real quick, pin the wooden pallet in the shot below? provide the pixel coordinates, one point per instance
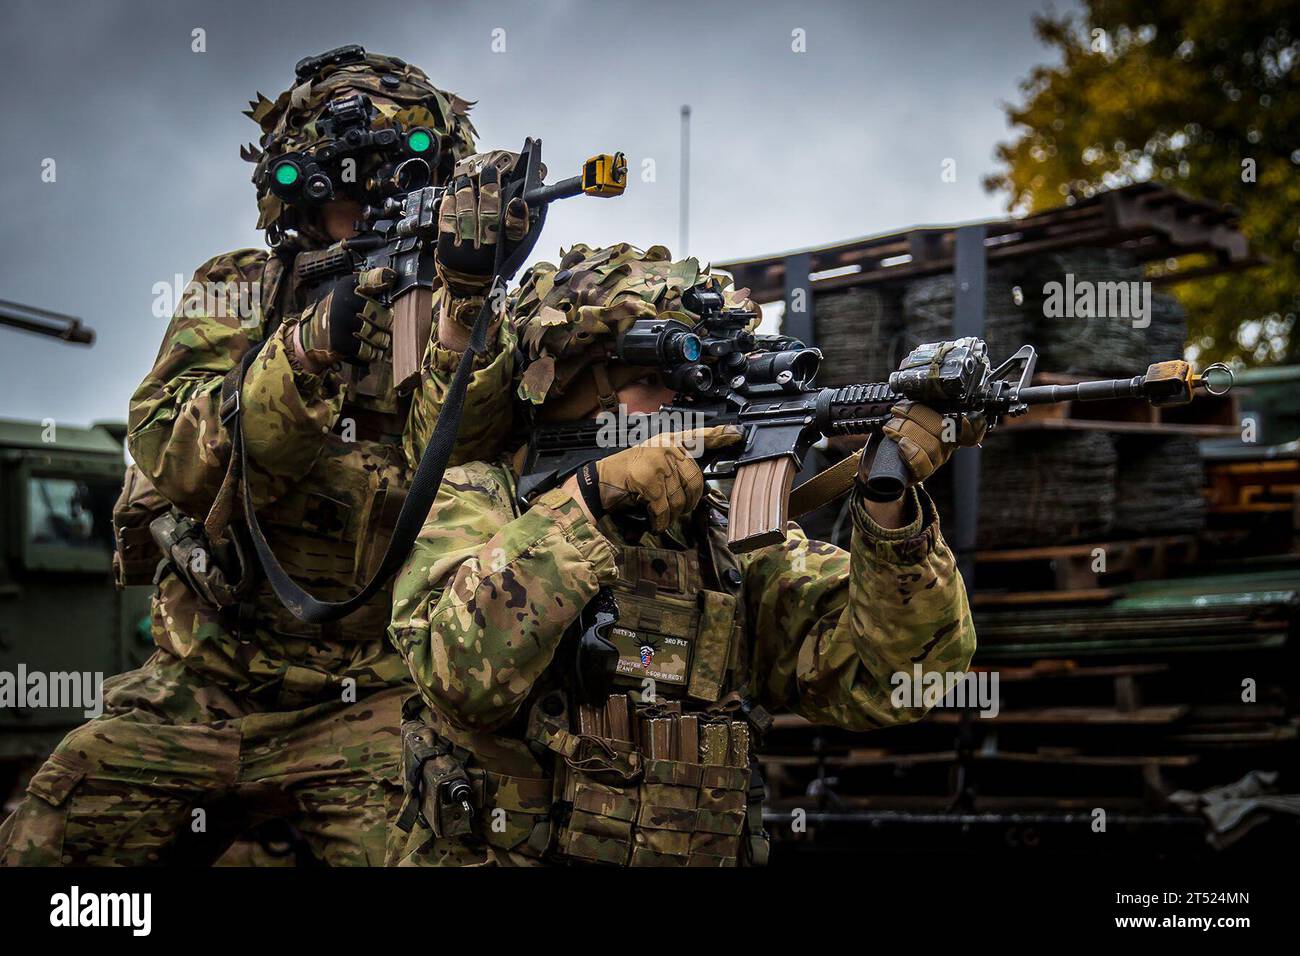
(1246, 487)
(1074, 716)
(1070, 566)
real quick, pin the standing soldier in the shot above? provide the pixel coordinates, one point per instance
(515, 750)
(245, 712)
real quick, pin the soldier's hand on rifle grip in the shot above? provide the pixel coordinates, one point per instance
(469, 226)
(660, 474)
(926, 439)
(342, 326)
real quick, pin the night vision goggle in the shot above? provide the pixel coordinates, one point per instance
(407, 156)
(719, 353)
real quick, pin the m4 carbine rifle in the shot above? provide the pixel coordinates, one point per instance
(400, 233)
(726, 375)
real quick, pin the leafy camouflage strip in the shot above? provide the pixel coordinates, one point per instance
(561, 313)
(123, 789)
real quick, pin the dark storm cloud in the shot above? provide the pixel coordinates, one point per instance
(790, 149)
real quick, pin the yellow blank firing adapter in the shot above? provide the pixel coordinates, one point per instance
(1173, 383)
(1168, 383)
(605, 175)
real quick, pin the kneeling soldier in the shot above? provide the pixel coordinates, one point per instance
(593, 688)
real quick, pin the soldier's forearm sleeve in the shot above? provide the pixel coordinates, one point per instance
(484, 598)
(287, 413)
(831, 629)
(175, 430)
(489, 404)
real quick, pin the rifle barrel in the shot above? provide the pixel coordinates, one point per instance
(1082, 391)
(547, 193)
(44, 322)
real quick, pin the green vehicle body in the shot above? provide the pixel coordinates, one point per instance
(59, 609)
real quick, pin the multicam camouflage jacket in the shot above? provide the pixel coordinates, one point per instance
(484, 609)
(327, 471)
(487, 609)
(485, 599)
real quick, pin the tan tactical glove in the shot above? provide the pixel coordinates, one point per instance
(660, 473)
(469, 220)
(926, 439)
(345, 326)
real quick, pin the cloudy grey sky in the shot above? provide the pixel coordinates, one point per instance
(790, 149)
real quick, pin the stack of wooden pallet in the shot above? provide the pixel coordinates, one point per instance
(1176, 685)
(1066, 474)
(1136, 653)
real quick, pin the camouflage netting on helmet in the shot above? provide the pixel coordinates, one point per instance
(401, 93)
(570, 315)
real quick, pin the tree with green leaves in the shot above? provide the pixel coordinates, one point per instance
(1202, 96)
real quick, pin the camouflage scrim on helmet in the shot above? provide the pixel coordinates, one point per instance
(401, 93)
(570, 315)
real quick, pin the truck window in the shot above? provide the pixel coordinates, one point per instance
(70, 512)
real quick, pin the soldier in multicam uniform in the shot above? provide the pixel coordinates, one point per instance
(515, 750)
(245, 712)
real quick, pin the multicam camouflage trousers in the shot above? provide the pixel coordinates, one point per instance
(421, 848)
(177, 768)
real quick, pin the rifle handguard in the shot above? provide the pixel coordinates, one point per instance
(760, 501)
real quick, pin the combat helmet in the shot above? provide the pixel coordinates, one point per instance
(378, 112)
(568, 319)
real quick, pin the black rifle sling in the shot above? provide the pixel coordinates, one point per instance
(428, 474)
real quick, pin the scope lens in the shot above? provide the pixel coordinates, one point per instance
(286, 174)
(691, 347)
(411, 174)
(319, 188)
(419, 140)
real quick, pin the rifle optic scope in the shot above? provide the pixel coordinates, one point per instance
(664, 343)
(793, 369)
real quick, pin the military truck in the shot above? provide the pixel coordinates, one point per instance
(59, 610)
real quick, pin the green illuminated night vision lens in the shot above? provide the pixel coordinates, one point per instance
(419, 141)
(286, 174)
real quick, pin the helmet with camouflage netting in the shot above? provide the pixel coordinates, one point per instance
(569, 318)
(356, 125)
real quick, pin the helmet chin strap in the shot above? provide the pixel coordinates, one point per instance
(606, 393)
